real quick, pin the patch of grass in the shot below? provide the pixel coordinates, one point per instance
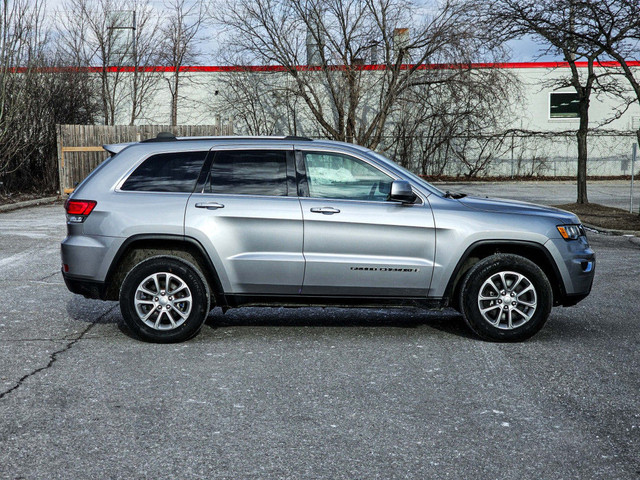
(604, 217)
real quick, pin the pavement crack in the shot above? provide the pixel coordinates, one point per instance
(49, 276)
(54, 356)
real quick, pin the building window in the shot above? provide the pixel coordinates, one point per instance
(564, 105)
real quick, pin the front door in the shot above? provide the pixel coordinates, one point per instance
(356, 242)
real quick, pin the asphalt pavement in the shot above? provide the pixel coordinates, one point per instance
(311, 393)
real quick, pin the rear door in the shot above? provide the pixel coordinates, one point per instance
(356, 242)
(247, 216)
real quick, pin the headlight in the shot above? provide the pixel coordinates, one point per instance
(571, 232)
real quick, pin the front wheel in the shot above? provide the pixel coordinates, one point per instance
(164, 299)
(506, 298)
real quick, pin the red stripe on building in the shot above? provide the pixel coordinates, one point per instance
(279, 68)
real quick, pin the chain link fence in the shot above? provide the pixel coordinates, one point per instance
(514, 155)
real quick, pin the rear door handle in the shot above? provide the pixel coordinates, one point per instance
(325, 210)
(210, 205)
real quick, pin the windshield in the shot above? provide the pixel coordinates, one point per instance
(422, 182)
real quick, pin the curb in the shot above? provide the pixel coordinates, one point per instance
(28, 203)
(608, 231)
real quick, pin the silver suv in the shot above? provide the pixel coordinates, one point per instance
(172, 227)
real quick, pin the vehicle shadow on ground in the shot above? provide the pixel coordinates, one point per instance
(92, 311)
(448, 321)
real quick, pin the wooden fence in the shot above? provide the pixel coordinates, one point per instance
(80, 146)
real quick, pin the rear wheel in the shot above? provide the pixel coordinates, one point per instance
(164, 299)
(506, 298)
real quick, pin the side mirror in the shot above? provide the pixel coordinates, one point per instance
(401, 192)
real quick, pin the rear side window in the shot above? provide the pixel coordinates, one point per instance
(167, 172)
(249, 172)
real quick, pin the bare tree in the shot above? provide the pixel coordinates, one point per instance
(22, 40)
(145, 56)
(115, 36)
(613, 26)
(465, 118)
(555, 24)
(182, 34)
(90, 31)
(36, 92)
(322, 47)
(257, 100)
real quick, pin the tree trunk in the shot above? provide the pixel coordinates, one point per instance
(582, 151)
(174, 110)
(174, 99)
(134, 96)
(105, 104)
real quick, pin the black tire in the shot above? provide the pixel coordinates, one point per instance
(515, 314)
(168, 319)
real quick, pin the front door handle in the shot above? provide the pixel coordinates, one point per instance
(325, 210)
(210, 205)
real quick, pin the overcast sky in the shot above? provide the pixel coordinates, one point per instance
(524, 50)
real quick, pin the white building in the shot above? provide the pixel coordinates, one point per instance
(540, 106)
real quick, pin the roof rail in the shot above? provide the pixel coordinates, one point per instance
(295, 138)
(161, 137)
(170, 137)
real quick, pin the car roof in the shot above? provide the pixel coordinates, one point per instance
(168, 138)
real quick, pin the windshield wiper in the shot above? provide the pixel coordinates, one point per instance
(454, 195)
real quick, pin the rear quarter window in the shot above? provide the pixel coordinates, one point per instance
(167, 172)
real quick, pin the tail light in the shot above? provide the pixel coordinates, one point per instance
(78, 210)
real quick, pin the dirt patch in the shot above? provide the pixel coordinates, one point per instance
(604, 217)
(8, 199)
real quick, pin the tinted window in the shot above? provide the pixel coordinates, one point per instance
(564, 105)
(167, 172)
(331, 175)
(249, 172)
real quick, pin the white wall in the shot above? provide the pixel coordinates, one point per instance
(198, 103)
(537, 83)
(609, 154)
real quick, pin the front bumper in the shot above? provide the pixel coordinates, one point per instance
(576, 262)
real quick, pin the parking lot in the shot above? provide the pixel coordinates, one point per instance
(311, 393)
(612, 193)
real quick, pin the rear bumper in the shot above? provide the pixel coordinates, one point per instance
(87, 288)
(89, 256)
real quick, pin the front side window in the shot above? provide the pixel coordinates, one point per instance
(333, 175)
(167, 172)
(249, 172)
